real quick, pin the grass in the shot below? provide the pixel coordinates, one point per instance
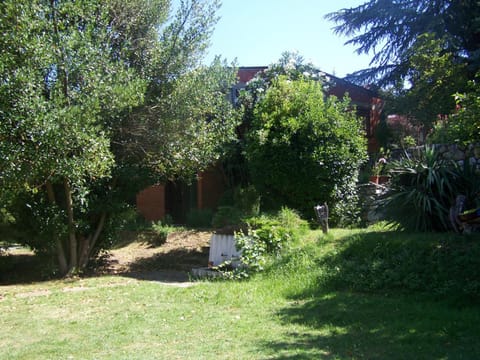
(296, 309)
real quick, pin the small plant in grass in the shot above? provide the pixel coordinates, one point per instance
(267, 236)
(254, 250)
(161, 232)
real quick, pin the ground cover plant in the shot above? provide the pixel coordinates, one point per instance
(307, 304)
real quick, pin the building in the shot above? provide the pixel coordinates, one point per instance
(177, 199)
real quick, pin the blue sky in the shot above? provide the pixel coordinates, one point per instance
(256, 32)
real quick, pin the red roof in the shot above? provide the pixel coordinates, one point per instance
(247, 73)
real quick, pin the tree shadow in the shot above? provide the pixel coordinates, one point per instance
(358, 326)
(17, 269)
(173, 266)
(343, 315)
(443, 266)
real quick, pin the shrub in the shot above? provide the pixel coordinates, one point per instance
(247, 200)
(421, 192)
(226, 216)
(160, 231)
(303, 149)
(199, 218)
(464, 125)
(268, 236)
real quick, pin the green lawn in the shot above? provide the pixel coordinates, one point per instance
(292, 311)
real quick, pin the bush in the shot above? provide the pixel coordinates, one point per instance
(199, 218)
(226, 216)
(303, 149)
(268, 236)
(160, 231)
(464, 125)
(247, 200)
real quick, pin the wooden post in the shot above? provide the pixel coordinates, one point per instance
(322, 216)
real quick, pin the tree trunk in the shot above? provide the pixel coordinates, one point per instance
(72, 237)
(62, 259)
(89, 243)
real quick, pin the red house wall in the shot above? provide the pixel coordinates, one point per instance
(210, 188)
(151, 202)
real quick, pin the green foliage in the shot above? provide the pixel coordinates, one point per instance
(185, 130)
(464, 125)
(434, 76)
(247, 200)
(389, 29)
(445, 266)
(237, 204)
(161, 231)
(303, 149)
(291, 220)
(423, 53)
(423, 189)
(266, 237)
(226, 216)
(97, 98)
(199, 218)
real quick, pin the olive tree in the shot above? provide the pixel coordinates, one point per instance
(92, 106)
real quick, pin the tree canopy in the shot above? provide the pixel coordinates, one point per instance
(97, 99)
(423, 53)
(388, 29)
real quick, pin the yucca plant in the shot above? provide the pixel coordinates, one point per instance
(422, 190)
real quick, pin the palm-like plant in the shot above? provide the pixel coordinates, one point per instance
(421, 192)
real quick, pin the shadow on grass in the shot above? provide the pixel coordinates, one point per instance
(440, 265)
(358, 326)
(170, 267)
(17, 269)
(384, 295)
(175, 259)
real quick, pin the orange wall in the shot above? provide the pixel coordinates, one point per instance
(151, 202)
(210, 188)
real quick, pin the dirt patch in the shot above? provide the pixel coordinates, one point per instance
(170, 262)
(181, 251)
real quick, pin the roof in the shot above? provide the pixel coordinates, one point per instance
(342, 86)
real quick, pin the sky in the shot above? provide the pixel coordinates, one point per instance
(257, 32)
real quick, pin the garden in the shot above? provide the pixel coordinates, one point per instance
(100, 100)
(351, 294)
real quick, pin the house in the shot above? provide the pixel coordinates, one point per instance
(177, 199)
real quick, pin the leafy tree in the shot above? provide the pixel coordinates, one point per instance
(433, 77)
(464, 125)
(303, 148)
(425, 50)
(391, 28)
(82, 86)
